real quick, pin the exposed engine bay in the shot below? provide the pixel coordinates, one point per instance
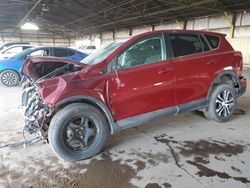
(45, 70)
(37, 113)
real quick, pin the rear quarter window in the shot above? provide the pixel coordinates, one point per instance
(213, 41)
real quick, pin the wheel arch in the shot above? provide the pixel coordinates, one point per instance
(92, 101)
(225, 77)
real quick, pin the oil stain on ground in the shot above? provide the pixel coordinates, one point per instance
(201, 150)
(204, 148)
(156, 185)
(205, 171)
(103, 173)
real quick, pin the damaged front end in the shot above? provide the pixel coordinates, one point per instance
(35, 111)
(38, 113)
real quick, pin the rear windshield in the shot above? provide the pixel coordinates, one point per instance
(213, 41)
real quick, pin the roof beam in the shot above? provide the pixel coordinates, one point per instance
(99, 12)
(195, 6)
(27, 15)
(154, 13)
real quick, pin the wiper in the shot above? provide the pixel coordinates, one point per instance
(51, 73)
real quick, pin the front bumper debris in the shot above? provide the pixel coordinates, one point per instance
(35, 111)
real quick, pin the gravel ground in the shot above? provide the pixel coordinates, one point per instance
(183, 151)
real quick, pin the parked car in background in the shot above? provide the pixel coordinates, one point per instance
(6, 45)
(13, 50)
(129, 83)
(10, 68)
(87, 49)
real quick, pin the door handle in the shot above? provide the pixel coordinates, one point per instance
(165, 71)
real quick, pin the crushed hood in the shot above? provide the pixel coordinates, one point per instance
(36, 68)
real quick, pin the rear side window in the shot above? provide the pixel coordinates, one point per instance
(185, 44)
(213, 41)
(63, 52)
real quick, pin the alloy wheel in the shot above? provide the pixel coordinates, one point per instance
(80, 133)
(224, 103)
(9, 78)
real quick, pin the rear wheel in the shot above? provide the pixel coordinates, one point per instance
(9, 78)
(78, 131)
(222, 103)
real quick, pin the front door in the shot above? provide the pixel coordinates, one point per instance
(144, 80)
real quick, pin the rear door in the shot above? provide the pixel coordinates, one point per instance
(192, 60)
(144, 81)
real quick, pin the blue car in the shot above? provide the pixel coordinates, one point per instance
(10, 68)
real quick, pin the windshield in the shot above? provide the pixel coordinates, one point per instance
(101, 54)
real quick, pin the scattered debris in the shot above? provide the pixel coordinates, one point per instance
(23, 143)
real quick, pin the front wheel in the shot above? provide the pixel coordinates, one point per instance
(222, 104)
(78, 131)
(9, 78)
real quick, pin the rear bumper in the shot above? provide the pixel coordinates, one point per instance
(243, 85)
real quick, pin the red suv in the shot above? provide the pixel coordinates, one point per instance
(128, 83)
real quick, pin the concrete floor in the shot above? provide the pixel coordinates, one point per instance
(184, 151)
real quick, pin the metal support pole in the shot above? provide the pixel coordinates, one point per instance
(113, 34)
(53, 38)
(231, 23)
(153, 27)
(185, 24)
(130, 32)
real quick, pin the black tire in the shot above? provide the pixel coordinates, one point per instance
(222, 103)
(64, 132)
(9, 78)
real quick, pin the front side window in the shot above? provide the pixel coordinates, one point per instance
(144, 51)
(185, 44)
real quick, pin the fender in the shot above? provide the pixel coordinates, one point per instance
(224, 72)
(94, 101)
